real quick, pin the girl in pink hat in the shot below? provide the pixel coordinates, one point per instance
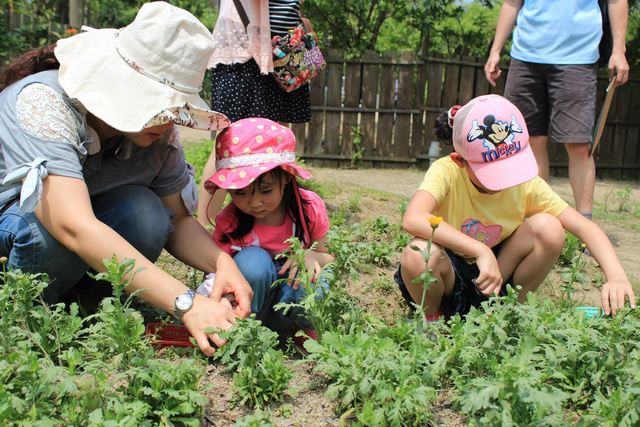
(502, 223)
(255, 161)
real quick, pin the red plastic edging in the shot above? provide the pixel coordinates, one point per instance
(167, 335)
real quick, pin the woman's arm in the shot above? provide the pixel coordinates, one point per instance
(617, 286)
(209, 205)
(191, 244)
(65, 211)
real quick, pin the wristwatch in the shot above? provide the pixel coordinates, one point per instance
(183, 303)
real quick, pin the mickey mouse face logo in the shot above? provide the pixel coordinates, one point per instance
(494, 131)
(499, 133)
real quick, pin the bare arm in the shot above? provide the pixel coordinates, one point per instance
(191, 244)
(617, 286)
(208, 205)
(506, 21)
(618, 16)
(65, 211)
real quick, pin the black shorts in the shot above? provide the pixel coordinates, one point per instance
(465, 292)
(555, 100)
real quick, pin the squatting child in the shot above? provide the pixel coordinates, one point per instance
(255, 162)
(502, 223)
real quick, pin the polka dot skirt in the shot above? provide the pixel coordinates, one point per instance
(240, 91)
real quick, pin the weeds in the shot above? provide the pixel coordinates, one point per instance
(260, 376)
(59, 369)
(358, 148)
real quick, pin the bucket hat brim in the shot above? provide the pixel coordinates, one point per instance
(243, 176)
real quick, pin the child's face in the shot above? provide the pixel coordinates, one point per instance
(462, 163)
(262, 198)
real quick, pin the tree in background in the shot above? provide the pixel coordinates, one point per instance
(445, 27)
(353, 25)
(25, 24)
(28, 24)
(118, 13)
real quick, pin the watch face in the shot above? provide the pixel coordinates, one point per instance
(184, 301)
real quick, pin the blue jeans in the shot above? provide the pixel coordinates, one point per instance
(134, 212)
(261, 271)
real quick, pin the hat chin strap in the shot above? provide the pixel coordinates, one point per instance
(305, 231)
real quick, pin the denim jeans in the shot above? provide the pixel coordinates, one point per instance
(134, 212)
(261, 271)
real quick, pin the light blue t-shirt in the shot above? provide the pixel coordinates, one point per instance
(558, 32)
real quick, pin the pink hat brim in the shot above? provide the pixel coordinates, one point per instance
(243, 176)
(508, 172)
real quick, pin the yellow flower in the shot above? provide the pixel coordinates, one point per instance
(435, 221)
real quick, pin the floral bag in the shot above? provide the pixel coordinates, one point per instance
(296, 58)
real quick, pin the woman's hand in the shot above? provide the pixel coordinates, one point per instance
(489, 281)
(208, 313)
(231, 288)
(613, 296)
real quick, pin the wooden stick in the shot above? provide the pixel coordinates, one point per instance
(602, 118)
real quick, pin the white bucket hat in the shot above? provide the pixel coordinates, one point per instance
(147, 73)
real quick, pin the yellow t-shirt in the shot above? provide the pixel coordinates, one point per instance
(489, 218)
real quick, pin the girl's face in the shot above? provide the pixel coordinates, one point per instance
(262, 199)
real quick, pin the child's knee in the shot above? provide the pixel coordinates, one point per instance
(413, 263)
(548, 230)
(256, 266)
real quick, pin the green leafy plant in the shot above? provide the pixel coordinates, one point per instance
(358, 148)
(59, 369)
(260, 376)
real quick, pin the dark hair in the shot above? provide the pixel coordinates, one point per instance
(28, 63)
(442, 130)
(246, 221)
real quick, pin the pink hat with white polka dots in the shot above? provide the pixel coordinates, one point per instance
(250, 147)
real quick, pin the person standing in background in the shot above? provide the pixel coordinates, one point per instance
(241, 85)
(552, 77)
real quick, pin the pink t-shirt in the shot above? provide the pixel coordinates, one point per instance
(272, 238)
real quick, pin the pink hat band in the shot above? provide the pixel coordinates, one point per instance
(253, 159)
(249, 148)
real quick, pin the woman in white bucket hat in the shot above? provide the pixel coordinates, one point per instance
(90, 164)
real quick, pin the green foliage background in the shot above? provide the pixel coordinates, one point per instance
(444, 27)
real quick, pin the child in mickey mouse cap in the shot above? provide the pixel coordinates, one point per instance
(501, 222)
(255, 163)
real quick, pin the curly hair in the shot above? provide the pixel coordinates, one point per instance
(442, 130)
(28, 63)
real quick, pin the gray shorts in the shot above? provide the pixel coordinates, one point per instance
(555, 100)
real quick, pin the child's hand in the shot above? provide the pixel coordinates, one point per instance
(613, 295)
(288, 266)
(312, 263)
(489, 281)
